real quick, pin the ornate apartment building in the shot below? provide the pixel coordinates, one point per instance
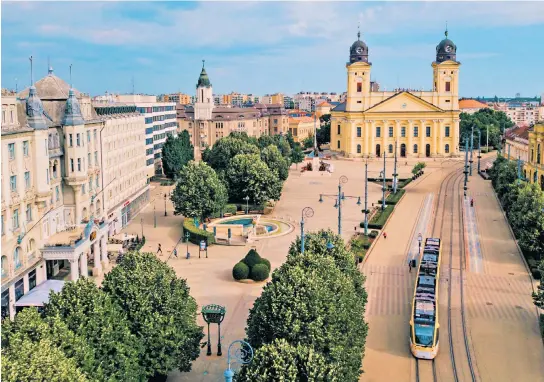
(534, 168)
(54, 194)
(421, 123)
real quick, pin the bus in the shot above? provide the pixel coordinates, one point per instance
(424, 326)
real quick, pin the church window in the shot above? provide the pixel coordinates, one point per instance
(390, 149)
(447, 131)
(447, 148)
(378, 131)
(359, 132)
(415, 149)
(428, 131)
(358, 149)
(403, 131)
(390, 131)
(416, 132)
(338, 130)
(338, 144)
(359, 87)
(448, 86)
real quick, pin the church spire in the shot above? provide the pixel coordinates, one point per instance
(72, 111)
(34, 106)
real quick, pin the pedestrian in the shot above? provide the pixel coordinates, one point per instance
(160, 249)
(472, 202)
(175, 253)
(409, 266)
(385, 235)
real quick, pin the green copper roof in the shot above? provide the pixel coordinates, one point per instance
(203, 80)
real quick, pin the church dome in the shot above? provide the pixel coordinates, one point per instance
(358, 51)
(446, 50)
(203, 80)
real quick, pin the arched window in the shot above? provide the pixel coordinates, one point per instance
(358, 149)
(17, 257)
(447, 148)
(390, 149)
(4, 266)
(415, 149)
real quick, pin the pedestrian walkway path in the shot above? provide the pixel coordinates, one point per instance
(475, 257)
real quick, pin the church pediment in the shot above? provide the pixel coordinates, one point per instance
(403, 102)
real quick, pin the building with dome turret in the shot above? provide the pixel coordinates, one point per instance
(370, 123)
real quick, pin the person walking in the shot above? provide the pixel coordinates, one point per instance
(175, 253)
(160, 249)
(385, 235)
(409, 265)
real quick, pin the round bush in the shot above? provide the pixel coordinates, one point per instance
(267, 263)
(536, 273)
(373, 234)
(252, 258)
(240, 271)
(260, 272)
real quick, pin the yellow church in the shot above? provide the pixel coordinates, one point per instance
(420, 123)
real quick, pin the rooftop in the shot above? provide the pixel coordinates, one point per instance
(471, 104)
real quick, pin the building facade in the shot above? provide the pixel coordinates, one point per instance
(301, 127)
(419, 123)
(534, 168)
(517, 143)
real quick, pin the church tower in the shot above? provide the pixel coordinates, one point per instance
(204, 97)
(358, 67)
(446, 74)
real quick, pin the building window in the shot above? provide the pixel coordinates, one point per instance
(11, 149)
(95, 158)
(358, 149)
(47, 175)
(57, 192)
(447, 148)
(91, 183)
(538, 154)
(19, 287)
(403, 131)
(390, 149)
(390, 131)
(416, 132)
(32, 280)
(72, 165)
(338, 144)
(428, 131)
(27, 180)
(359, 87)
(88, 136)
(78, 141)
(83, 190)
(415, 149)
(3, 232)
(358, 132)
(94, 135)
(71, 140)
(96, 182)
(25, 148)
(28, 213)
(89, 159)
(15, 219)
(448, 86)
(13, 182)
(78, 164)
(338, 132)
(447, 131)
(378, 131)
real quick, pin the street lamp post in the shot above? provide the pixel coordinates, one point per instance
(154, 216)
(142, 225)
(471, 147)
(187, 235)
(519, 168)
(165, 213)
(339, 198)
(306, 212)
(466, 168)
(419, 239)
(383, 187)
(487, 140)
(479, 148)
(247, 204)
(395, 171)
(243, 355)
(366, 198)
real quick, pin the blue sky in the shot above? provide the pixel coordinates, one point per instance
(266, 47)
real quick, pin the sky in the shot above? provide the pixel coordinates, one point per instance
(268, 47)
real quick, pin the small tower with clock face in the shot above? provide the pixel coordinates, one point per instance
(358, 69)
(446, 74)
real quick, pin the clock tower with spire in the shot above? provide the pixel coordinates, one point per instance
(358, 68)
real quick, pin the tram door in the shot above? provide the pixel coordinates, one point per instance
(427, 150)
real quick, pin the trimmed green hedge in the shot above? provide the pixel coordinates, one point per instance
(405, 182)
(379, 220)
(393, 199)
(373, 234)
(196, 234)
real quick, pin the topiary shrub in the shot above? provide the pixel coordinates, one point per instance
(259, 272)
(267, 263)
(536, 273)
(240, 271)
(373, 234)
(252, 258)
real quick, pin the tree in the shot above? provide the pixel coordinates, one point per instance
(527, 219)
(297, 155)
(176, 153)
(324, 131)
(90, 313)
(265, 141)
(308, 142)
(200, 192)
(160, 310)
(319, 308)
(248, 175)
(271, 155)
(227, 148)
(291, 140)
(281, 361)
(503, 173)
(38, 349)
(538, 296)
(497, 121)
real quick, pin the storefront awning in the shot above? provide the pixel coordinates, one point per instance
(40, 294)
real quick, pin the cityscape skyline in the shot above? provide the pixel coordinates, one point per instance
(294, 43)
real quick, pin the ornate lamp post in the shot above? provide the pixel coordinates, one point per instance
(214, 314)
(240, 352)
(306, 212)
(165, 213)
(419, 239)
(339, 198)
(479, 148)
(247, 204)
(187, 235)
(366, 199)
(466, 168)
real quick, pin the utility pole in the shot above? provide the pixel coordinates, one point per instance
(383, 188)
(339, 208)
(466, 168)
(471, 147)
(487, 140)
(479, 149)
(395, 171)
(366, 198)
(519, 168)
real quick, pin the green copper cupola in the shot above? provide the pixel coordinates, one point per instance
(203, 79)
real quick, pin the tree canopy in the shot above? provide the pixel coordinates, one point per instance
(297, 155)
(248, 175)
(176, 153)
(497, 121)
(227, 148)
(200, 192)
(324, 131)
(160, 310)
(271, 155)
